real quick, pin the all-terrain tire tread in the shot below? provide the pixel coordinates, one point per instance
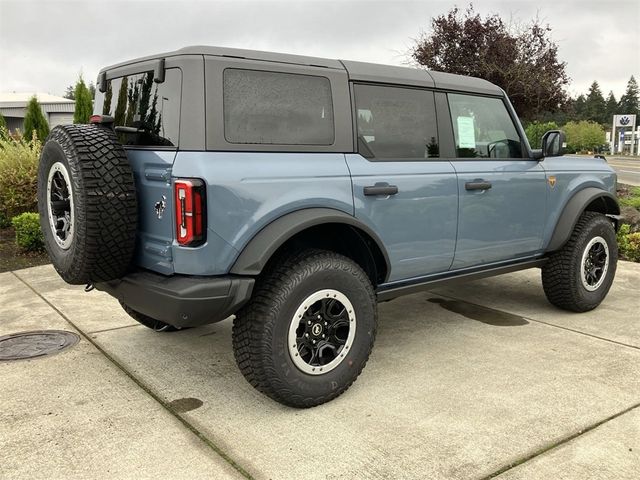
(253, 325)
(106, 205)
(560, 272)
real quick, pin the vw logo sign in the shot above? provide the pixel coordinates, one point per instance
(625, 120)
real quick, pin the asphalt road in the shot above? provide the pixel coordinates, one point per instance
(628, 169)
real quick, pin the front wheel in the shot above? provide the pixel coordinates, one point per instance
(579, 276)
(308, 330)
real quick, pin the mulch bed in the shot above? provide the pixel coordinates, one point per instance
(11, 258)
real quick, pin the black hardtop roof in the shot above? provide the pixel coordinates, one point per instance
(360, 71)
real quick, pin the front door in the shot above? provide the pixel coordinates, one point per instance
(503, 194)
(402, 188)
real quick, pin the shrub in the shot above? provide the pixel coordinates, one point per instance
(18, 176)
(629, 243)
(536, 130)
(584, 135)
(28, 234)
(633, 248)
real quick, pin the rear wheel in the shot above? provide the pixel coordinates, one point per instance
(308, 330)
(152, 323)
(579, 276)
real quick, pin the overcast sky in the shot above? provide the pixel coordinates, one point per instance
(45, 44)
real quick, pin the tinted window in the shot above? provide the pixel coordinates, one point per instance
(396, 123)
(146, 113)
(277, 108)
(483, 128)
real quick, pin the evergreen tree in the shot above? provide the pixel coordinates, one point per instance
(34, 120)
(630, 101)
(92, 90)
(594, 106)
(106, 105)
(3, 122)
(84, 104)
(579, 107)
(121, 105)
(70, 93)
(610, 107)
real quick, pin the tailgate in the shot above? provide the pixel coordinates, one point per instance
(152, 172)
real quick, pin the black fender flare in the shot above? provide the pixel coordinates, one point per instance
(264, 244)
(574, 208)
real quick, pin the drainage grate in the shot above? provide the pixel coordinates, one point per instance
(38, 343)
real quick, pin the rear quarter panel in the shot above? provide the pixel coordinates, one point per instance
(248, 190)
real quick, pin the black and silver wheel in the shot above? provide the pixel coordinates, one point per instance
(308, 330)
(152, 323)
(321, 330)
(579, 276)
(60, 205)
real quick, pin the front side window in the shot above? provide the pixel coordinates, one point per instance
(396, 123)
(483, 128)
(277, 108)
(146, 113)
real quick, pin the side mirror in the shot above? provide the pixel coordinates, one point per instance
(553, 143)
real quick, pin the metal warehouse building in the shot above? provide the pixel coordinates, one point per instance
(57, 110)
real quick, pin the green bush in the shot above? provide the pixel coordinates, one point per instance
(629, 243)
(28, 234)
(18, 176)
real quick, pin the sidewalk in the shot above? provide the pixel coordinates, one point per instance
(453, 390)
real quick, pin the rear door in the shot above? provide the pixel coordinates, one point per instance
(401, 187)
(503, 193)
(147, 123)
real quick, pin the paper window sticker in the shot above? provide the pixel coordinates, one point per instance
(466, 133)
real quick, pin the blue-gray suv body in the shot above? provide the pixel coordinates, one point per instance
(295, 192)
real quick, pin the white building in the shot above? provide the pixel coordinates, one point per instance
(57, 110)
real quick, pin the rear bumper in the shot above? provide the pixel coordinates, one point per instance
(181, 300)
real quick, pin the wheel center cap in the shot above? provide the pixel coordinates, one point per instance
(316, 329)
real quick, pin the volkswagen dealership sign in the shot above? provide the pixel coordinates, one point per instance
(624, 120)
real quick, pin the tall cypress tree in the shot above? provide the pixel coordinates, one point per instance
(34, 120)
(106, 106)
(121, 105)
(84, 104)
(630, 101)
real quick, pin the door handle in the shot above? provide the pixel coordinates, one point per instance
(380, 189)
(477, 185)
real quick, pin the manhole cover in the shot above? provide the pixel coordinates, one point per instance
(35, 344)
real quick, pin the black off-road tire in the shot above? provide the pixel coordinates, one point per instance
(104, 208)
(260, 329)
(153, 324)
(562, 274)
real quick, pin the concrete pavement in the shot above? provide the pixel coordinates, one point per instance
(474, 381)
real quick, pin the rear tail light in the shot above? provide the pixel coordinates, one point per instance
(190, 203)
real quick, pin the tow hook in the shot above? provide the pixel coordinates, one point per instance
(89, 287)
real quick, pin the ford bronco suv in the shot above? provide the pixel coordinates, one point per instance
(296, 192)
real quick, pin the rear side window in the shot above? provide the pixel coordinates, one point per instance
(277, 108)
(146, 113)
(483, 128)
(396, 123)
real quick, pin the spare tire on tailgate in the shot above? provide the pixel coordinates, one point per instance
(87, 203)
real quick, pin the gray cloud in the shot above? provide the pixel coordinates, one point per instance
(45, 44)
